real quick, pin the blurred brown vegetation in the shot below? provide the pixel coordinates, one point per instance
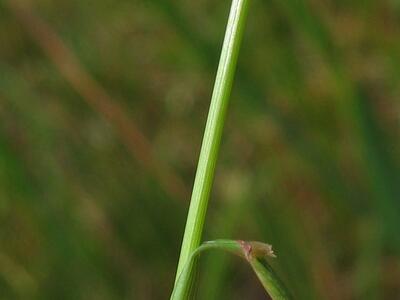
(103, 104)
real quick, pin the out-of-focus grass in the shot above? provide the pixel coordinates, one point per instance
(309, 161)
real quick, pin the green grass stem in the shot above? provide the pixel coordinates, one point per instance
(213, 132)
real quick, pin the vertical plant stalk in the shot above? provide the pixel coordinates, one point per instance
(212, 135)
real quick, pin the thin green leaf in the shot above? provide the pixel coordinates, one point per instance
(253, 252)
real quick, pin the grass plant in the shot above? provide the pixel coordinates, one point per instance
(206, 169)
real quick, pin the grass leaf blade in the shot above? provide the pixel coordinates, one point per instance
(252, 252)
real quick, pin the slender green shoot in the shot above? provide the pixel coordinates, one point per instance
(212, 136)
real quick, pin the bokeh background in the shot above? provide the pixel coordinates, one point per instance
(103, 105)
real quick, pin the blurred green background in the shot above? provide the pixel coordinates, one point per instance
(103, 105)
